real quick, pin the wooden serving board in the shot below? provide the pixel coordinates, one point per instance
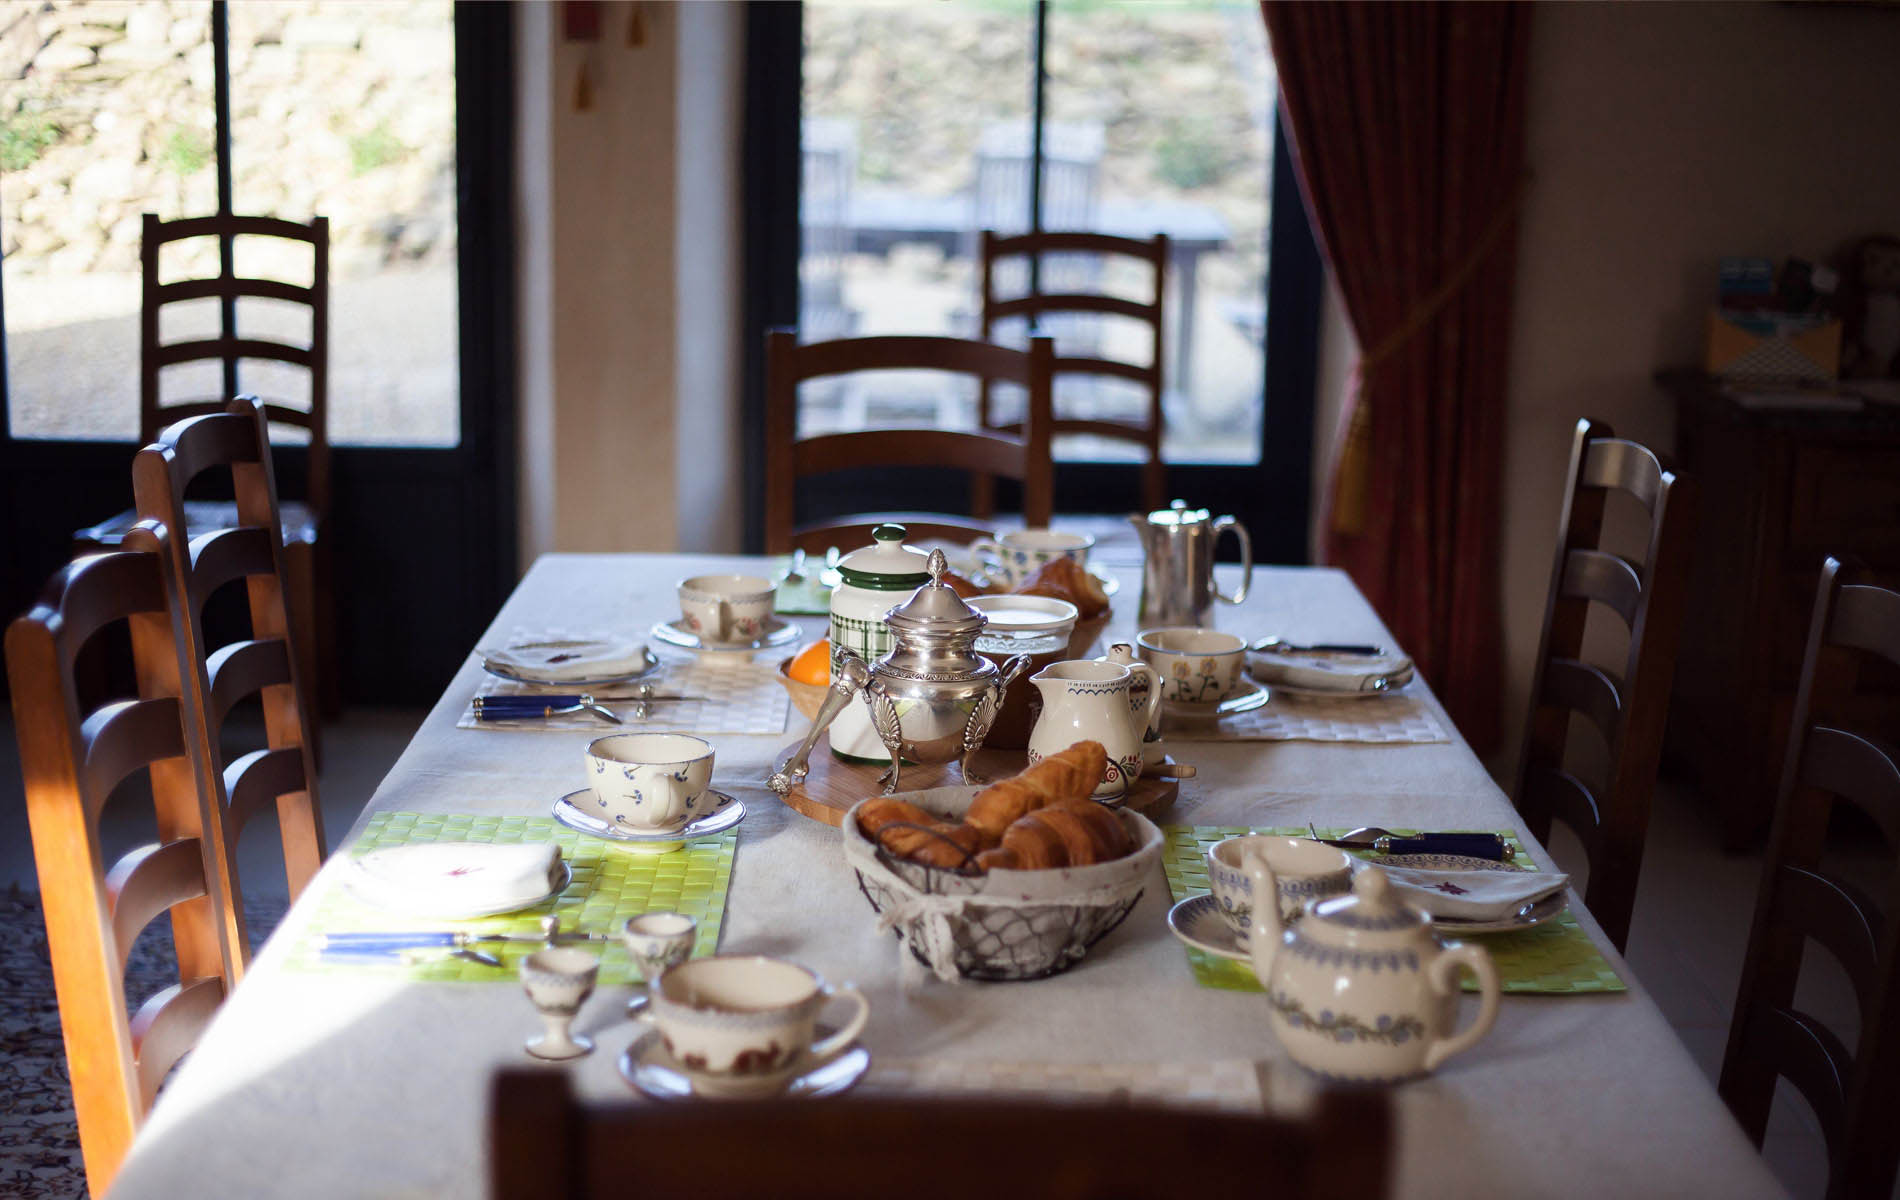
(834, 785)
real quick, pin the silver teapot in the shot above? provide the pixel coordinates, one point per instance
(932, 697)
(1177, 573)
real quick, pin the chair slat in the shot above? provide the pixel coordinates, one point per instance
(1859, 769)
(1590, 690)
(900, 448)
(218, 287)
(1626, 466)
(1833, 913)
(1035, 306)
(259, 778)
(243, 669)
(222, 555)
(1607, 579)
(232, 347)
(816, 360)
(149, 880)
(1808, 1055)
(123, 736)
(1867, 618)
(169, 1024)
(1562, 795)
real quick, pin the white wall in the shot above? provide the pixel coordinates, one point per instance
(1661, 137)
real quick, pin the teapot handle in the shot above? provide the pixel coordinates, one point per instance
(1246, 558)
(1443, 974)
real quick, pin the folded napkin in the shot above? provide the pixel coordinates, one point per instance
(568, 659)
(1472, 895)
(447, 878)
(1329, 671)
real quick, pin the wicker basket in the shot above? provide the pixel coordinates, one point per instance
(1003, 924)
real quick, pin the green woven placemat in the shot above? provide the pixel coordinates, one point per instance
(1555, 957)
(610, 884)
(806, 598)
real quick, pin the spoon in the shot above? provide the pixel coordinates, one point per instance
(1271, 645)
(794, 573)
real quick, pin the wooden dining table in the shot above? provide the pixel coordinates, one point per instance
(341, 1083)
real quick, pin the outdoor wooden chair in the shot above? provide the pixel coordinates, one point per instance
(1627, 704)
(75, 752)
(548, 1144)
(789, 458)
(233, 444)
(1037, 306)
(309, 560)
(1854, 1093)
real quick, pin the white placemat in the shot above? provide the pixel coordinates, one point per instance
(1285, 718)
(742, 696)
(1229, 1084)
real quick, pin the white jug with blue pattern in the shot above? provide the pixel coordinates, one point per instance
(1360, 988)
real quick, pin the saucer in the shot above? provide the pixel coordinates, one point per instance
(1197, 921)
(778, 632)
(726, 813)
(515, 662)
(651, 1070)
(1251, 696)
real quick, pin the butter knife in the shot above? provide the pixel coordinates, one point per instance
(1468, 845)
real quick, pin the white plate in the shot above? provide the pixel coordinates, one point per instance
(653, 1072)
(390, 899)
(778, 632)
(1197, 921)
(580, 650)
(1252, 696)
(1535, 914)
(568, 810)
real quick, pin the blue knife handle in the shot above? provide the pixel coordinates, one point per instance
(371, 942)
(553, 700)
(1471, 845)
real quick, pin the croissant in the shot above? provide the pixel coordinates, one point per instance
(1034, 845)
(874, 815)
(1090, 832)
(1067, 579)
(938, 844)
(1067, 775)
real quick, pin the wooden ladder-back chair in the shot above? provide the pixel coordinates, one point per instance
(74, 752)
(309, 565)
(548, 1144)
(1036, 306)
(1627, 706)
(1855, 1094)
(789, 458)
(264, 664)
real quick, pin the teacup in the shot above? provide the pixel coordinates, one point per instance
(741, 1018)
(1305, 870)
(1194, 665)
(648, 781)
(1011, 558)
(726, 609)
(658, 940)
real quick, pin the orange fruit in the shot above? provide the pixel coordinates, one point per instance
(813, 664)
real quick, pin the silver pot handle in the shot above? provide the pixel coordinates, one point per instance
(853, 675)
(1246, 558)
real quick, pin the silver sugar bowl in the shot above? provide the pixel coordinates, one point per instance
(932, 697)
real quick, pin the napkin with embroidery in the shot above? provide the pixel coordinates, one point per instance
(558, 660)
(1329, 671)
(446, 878)
(1468, 895)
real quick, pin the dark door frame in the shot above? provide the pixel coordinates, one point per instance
(1272, 497)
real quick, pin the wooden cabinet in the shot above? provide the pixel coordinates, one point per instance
(1781, 490)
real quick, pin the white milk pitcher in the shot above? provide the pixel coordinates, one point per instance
(1088, 701)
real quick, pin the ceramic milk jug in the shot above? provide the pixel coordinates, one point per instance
(873, 580)
(1139, 689)
(1088, 701)
(1360, 988)
(1177, 571)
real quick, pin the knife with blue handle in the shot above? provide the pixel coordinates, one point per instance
(1468, 845)
(390, 941)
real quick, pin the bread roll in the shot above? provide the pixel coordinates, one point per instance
(1067, 579)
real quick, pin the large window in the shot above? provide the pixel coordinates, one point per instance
(345, 110)
(919, 129)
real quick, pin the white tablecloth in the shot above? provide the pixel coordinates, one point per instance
(338, 1085)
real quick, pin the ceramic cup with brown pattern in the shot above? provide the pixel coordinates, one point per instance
(734, 1016)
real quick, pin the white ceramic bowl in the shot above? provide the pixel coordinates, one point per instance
(647, 781)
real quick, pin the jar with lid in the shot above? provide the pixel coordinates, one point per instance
(873, 579)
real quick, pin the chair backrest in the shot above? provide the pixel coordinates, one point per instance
(74, 752)
(1856, 1093)
(1626, 705)
(789, 458)
(1035, 305)
(228, 347)
(217, 678)
(548, 1144)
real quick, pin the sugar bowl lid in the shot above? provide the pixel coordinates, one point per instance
(887, 564)
(935, 610)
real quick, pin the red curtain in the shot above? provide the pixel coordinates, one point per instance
(1407, 124)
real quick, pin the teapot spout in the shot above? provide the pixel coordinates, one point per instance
(1263, 941)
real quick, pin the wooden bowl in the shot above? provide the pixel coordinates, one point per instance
(806, 697)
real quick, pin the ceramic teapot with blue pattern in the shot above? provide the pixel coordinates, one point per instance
(1361, 988)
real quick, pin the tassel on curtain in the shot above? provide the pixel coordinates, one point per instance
(1407, 125)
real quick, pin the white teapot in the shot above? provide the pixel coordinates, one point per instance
(1360, 988)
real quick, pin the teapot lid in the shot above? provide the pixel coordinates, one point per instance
(887, 564)
(935, 610)
(1372, 913)
(1177, 514)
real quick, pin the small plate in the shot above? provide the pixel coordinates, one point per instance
(1252, 696)
(596, 647)
(651, 1070)
(1197, 921)
(778, 632)
(390, 900)
(1539, 912)
(725, 814)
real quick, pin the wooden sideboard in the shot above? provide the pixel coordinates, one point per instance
(1781, 490)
